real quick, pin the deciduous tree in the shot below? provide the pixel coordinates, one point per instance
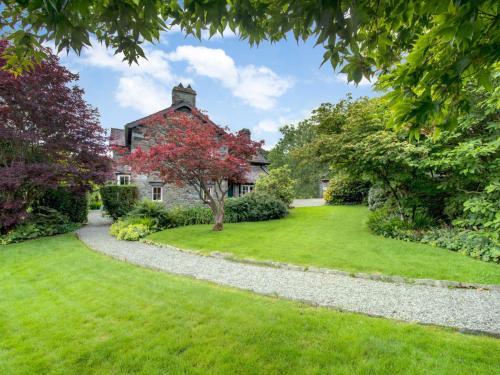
(429, 47)
(49, 136)
(188, 149)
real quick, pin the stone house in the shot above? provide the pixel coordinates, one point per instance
(151, 187)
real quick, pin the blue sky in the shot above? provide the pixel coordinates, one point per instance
(260, 88)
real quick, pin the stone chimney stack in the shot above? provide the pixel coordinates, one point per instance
(184, 94)
(246, 132)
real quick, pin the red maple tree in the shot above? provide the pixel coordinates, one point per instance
(49, 136)
(189, 149)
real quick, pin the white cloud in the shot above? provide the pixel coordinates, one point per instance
(268, 126)
(142, 93)
(341, 77)
(144, 86)
(273, 125)
(259, 87)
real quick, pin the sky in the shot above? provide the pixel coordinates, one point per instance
(239, 86)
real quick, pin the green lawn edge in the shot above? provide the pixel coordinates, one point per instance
(67, 309)
(333, 237)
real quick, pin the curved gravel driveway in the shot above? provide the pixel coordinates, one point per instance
(472, 310)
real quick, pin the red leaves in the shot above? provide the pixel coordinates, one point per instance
(49, 136)
(188, 148)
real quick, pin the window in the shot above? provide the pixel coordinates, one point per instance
(245, 189)
(156, 193)
(123, 179)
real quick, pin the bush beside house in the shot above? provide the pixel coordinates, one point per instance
(277, 183)
(70, 203)
(118, 200)
(147, 216)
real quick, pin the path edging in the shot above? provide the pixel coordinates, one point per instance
(331, 271)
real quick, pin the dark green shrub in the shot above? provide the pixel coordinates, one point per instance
(377, 197)
(181, 216)
(385, 223)
(477, 244)
(118, 200)
(254, 207)
(42, 221)
(156, 211)
(70, 203)
(343, 189)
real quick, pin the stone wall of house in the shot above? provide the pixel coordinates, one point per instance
(172, 195)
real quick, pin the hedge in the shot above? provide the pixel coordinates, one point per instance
(69, 203)
(118, 200)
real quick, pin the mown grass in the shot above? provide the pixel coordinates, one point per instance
(66, 309)
(334, 237)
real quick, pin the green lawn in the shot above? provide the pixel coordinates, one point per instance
(334, 237)
(66, 309)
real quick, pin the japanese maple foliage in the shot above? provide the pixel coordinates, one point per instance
(49, 136)
(189, 149)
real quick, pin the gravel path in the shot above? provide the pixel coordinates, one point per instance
(466, 309)
(311, 202)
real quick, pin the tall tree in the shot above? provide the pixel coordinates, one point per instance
(49, 136)
(190, 150)
(429, 47)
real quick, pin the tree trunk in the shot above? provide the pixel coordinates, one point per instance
(219, 217)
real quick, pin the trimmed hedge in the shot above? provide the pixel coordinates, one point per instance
(72, 204)
(118, 200)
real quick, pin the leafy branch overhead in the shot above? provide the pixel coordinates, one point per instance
(424, 51)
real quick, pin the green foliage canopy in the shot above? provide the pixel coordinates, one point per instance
(277, 183)
(426, 49)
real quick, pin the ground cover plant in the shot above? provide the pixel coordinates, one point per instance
(335, 237)
(67, 309)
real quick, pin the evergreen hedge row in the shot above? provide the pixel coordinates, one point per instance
(118, 200)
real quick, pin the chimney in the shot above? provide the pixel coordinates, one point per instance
(184, 94)
(246, 132)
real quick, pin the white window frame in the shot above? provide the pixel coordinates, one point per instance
(118, 179)
(153, 193)
(247, 187)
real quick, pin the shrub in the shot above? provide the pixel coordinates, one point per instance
(133, 232)
(70, 203)
(254, 207)
(118, 200)
(132, 229)
(385, 223)
(43, 221)
(377, 197)
(148, 216)
(477, 244)
(343, 189)
(155, 211)
(181, 216)
(277, 183)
